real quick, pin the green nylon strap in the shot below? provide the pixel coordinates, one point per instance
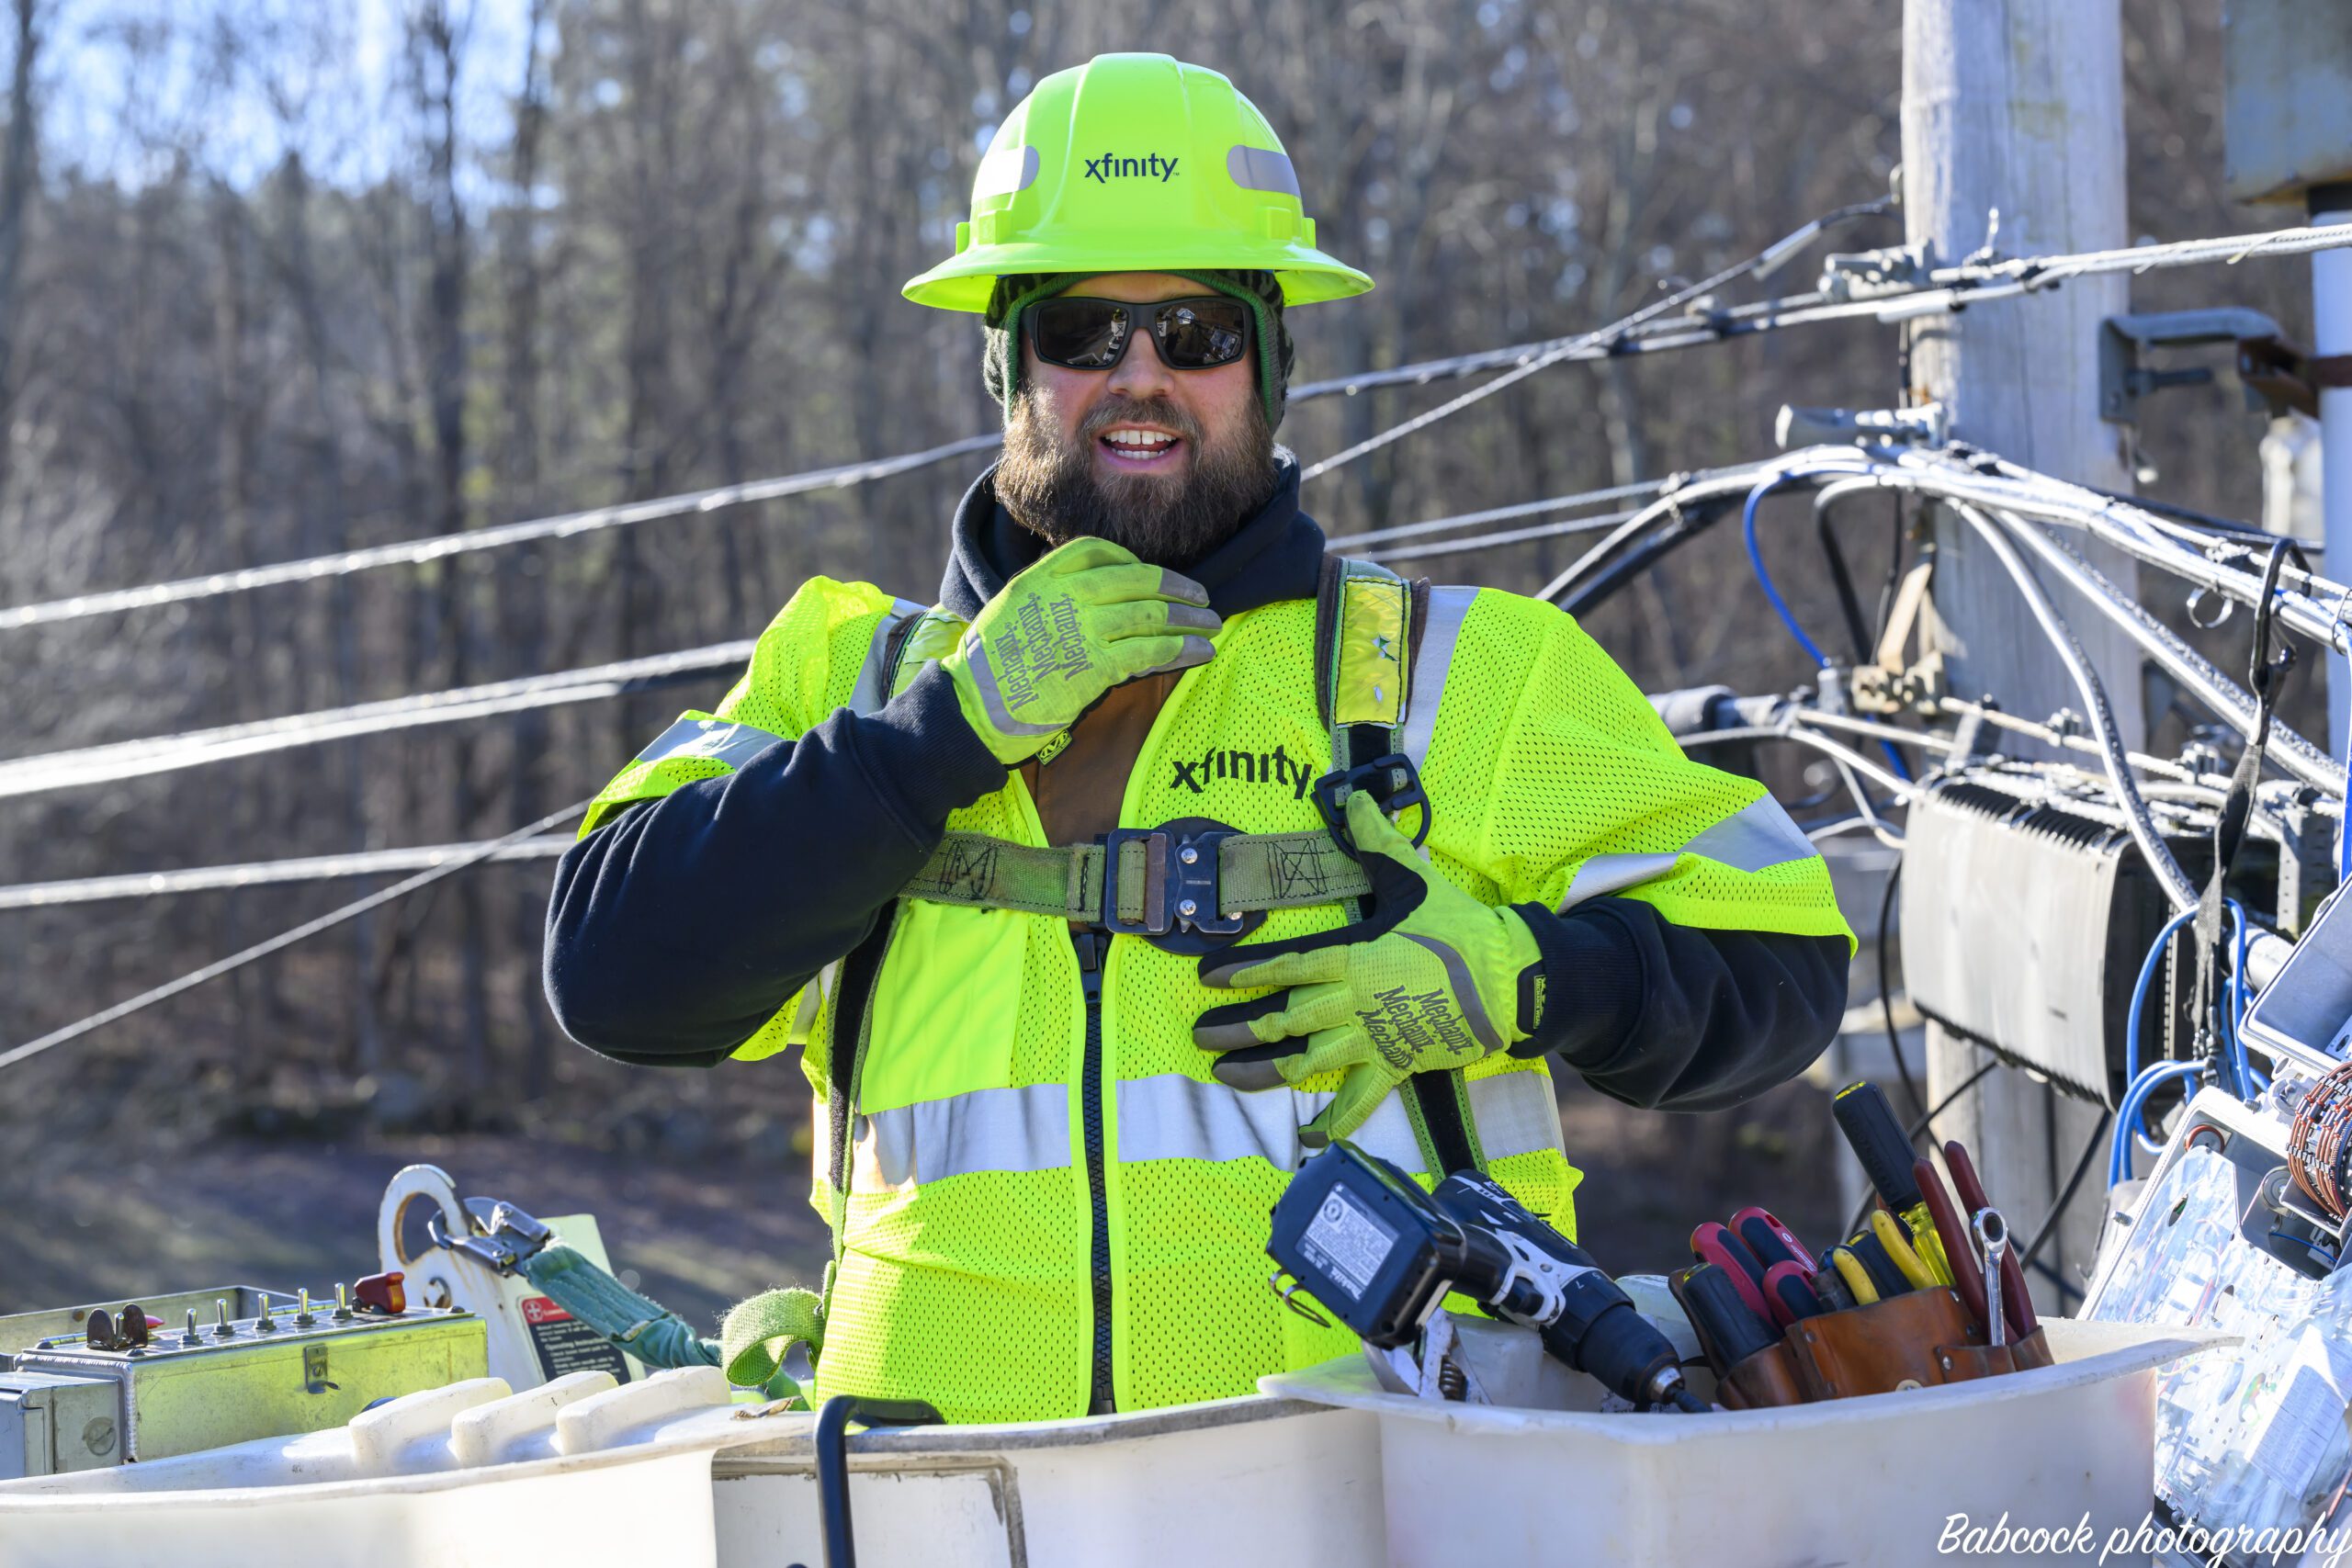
(1255, 871)
(759, 1335)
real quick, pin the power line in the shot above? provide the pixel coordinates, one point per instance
(1505, 536)
(136, 759)
(1595, 343)
(1944, 289)
(416, 552)
(307, 929)
(264, 874)
(1350, 542)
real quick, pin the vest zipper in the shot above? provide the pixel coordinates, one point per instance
(1091, 944)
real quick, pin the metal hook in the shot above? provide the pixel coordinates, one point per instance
(1289, 1299)
(2228, 604)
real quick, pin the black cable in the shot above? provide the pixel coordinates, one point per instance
(1840, 578)
(1886, 1000)
(1887, 589)
(2067, 1194)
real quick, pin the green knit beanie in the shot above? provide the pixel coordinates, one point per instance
(1000, 330)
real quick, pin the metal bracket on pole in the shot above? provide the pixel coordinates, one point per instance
(1889, 684)
(1926, 425)
(2123, 381)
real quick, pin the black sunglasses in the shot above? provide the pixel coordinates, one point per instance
(1082, 334)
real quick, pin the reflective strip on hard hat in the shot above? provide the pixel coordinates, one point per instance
(987, 1129)
(715, 739)
(1004, 172)
(1252, 168)
(1757, 836)
(1440, 628)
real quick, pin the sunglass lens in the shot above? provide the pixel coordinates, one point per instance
(1084, 335)
(1198, 333)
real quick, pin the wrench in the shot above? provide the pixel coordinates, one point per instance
(1993, 1235)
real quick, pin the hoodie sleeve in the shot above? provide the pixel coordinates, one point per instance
(712, 884)
(1679, 1018)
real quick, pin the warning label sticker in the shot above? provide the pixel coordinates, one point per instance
(1348, 1241)
(567, 1345)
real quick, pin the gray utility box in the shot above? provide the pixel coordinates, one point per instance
(51, 1425)
(2286, 115)
(2024, 923)
(266, 1376)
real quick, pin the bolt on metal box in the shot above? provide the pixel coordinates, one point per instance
(224, 1379)
(52, 1426)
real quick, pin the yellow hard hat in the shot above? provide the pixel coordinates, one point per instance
(1135, 162)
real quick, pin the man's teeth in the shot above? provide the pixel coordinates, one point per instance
(1140, 440)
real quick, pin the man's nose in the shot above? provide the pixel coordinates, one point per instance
(1139, 373)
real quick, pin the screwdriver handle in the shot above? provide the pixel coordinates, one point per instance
(1953, 1232)
(1736, 1332)
(1712, 1243)
(1885, 1276)
(2014, 1305)
(1768, 1239)
(1789, 1289)
(1879, 1142)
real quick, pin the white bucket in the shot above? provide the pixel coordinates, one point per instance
(1891, 1479)
(1252, 1481)
(664, 1473)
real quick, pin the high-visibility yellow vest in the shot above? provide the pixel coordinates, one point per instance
(1038, 1193)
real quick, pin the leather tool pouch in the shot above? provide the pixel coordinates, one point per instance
(1914, 1340)
(1766, 1379)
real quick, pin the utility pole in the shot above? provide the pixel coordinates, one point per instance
(2018, 106)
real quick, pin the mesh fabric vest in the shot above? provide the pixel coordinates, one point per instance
(995, 1202)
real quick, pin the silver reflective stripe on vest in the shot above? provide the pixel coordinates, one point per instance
(1516, 1115)
(1441, 627)
(869, 695)
(1757, 836)
(1514, 1112)
(1175, 1117)
(715, 739)
(989, 1129)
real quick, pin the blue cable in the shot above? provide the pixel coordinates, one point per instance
(1780, 605)
(2139, 993)
(2135, 1098)
(1764, 578)
(2250, 1082)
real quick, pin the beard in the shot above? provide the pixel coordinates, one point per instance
(1051, 487)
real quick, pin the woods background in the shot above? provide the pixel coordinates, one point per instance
(282, 278)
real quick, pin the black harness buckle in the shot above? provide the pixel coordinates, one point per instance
(1181, 910)
(1392, 781)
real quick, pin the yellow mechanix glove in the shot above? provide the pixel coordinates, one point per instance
(1074, 624)
(1431, 980)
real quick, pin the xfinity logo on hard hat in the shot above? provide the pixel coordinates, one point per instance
(1109, 167)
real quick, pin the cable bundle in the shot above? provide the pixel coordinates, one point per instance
(2318, 1150)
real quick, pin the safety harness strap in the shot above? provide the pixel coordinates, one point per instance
(1365, 627)
(1252, 872)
